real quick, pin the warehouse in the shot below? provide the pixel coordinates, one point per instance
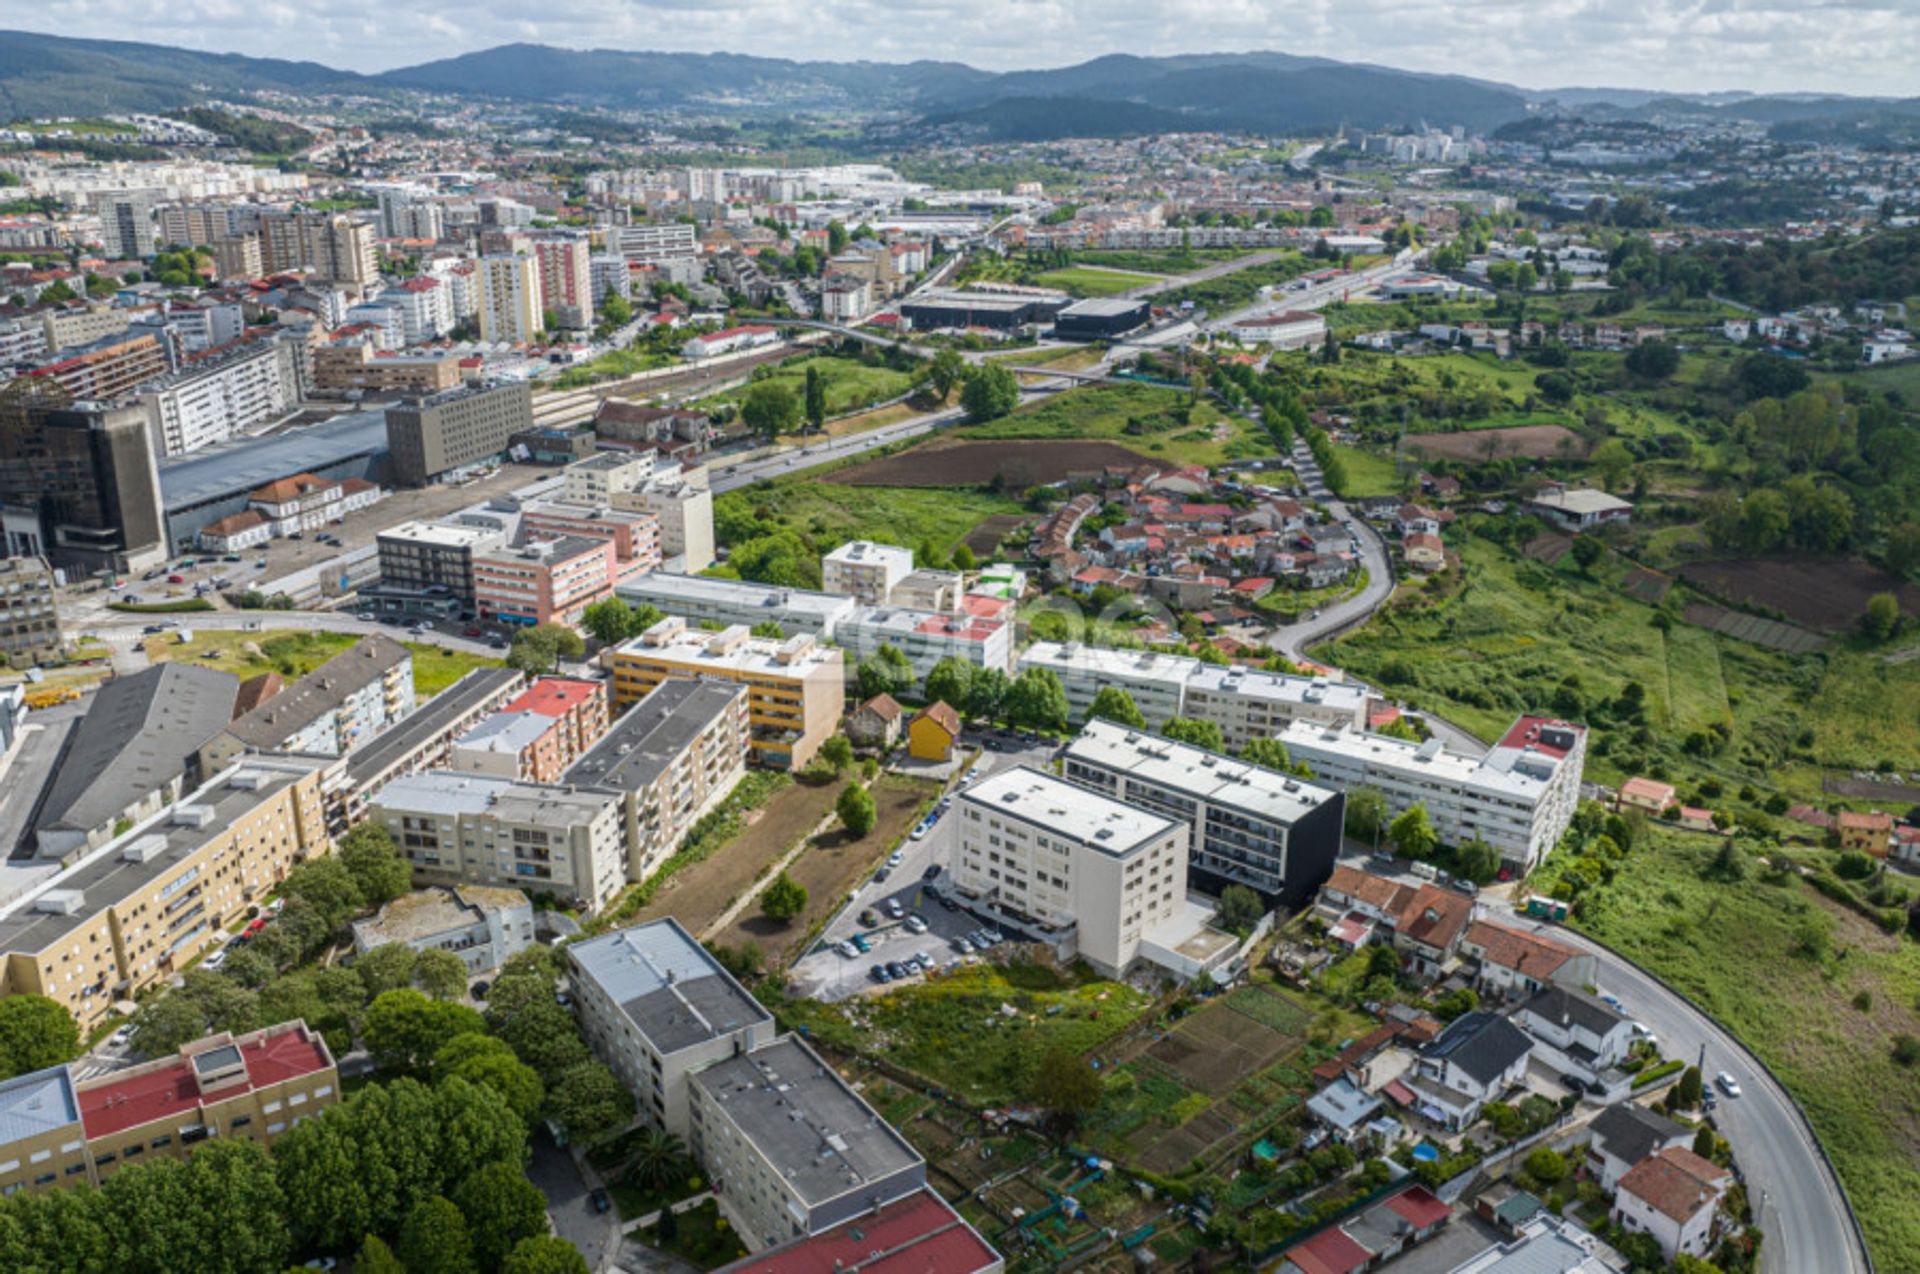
(1101, 318)
(219, 480)
(941, 308)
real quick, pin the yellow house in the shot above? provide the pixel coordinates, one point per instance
(932, 733)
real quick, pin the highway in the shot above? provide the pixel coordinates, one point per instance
(1796, 1196)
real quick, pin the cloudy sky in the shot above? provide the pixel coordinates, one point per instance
(1852, 46)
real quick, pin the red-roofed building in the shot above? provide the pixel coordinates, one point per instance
(1331, 1251)
(1673, 1195)
(919, 1234)
(580, 705)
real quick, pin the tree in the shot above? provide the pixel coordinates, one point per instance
(836, 238)
(1201, 734)
(35, 1033)
(856, 810)
(1412, 833)
(1479, 861)
(1456, 1002)
(1113, 703)
(950, 681)
(589, 1102)
(1270, 753)
(542, 1254)
(374, 862)
(1611, 460)
(1065, 1085)
(837, 752)
(616, 310)
(1903, 548)
(441, 974)
(886, 671)
(1881, 619)
(1037, 701)
(946, 371)
(659, 1159)
(541, 1033)
(377, 1258)
(1704, 1142)
(501, 1207)
(1587, 552)
(1366, 813)
(435, 1240)
(387, 967)
(1653, 360)
(1240, 909)
(784, 897)
(816, 396)
(770, 409)
(489, 1063)
(608, 621)
(990, 392)
(1547, 1166)
(1686, 1093)
(329, 887)
(987, 694)
(405, 1029)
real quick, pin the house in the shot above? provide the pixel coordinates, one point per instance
(876, 723)
(1429, 928)
(1374, 897)
(1371, 1237)
(1424, 551)
(1694, 819)
(1673, 1195)
(1906, 844)
(1649, 795)
(1871, 831)
(1474, 1061)
(1410, 518)
(1625, 1133)
(1344, 1109)
(933, 732)
(1581, 509)
(1576, 1032)
(1514, 963)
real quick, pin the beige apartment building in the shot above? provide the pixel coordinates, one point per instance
(354, 365)
(146, 903)
(796, 688)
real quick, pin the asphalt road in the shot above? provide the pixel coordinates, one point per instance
(1801, 1207)
(553, 1170)
(1293, 640)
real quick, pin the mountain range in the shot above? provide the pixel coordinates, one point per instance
(1269, 92)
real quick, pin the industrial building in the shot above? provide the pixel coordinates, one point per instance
(945, 308)
(1101, 318)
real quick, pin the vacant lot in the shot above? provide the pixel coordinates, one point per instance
(294, 652)
(1534, 442)
(910, 510)
(850, 383)
(1827, 593)
(948, 463)
(1085, 282)
(1150, 418)
(1754, 628)
(985, 538)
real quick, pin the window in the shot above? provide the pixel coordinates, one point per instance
(278, 1127)
(167, 1140)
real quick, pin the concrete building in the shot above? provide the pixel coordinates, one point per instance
(423, 740)
(29, 613)
(924, 589)
(435, 436)
(682, 503)
(110, 368)
(673, 756)
(143, 905)
(126, 223)
(1276, 834)
(635, 537)
(1100, 318)
(919, 1232)
(1624, 1134)
(1069, 866)
(220, 397)
(1673, 1195)
(649, 244)
(543, 581)
(566, 279)
(700, 600)
(482, 926)
(1581, 509)
(469, 829)
(78, 482)
(792, 1150)
(238, 256)
(865, 571)
(1519, 798)
(537, 735)
(420, 561)
(796, 688)
(926, 637)
(945, 308)
(349, 365)
(425, 305)
(656, 1007)
(509, 298)
(345, 701)
(55, 1130)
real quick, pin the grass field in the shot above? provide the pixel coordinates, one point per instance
(613, 364)
(294, 652)
(1228, 291)
(1146, 418)
(1157, 262)
(832, 514)
(1093, 282)
(1368, 473)
(1739, 950)
(1514, 629)
(851, 384)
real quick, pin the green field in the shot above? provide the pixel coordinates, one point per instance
(1500, 640)
(1157, 262)
(1740, 950)
(613, 365)
(1229, 291)
(1146, 418)
(295, 652)
(851, 384)
(1368, 473)
(1093, 282)
(830, 515)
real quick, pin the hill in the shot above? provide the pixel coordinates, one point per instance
(54, 75)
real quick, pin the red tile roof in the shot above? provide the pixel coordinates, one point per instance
(1527, 953)
(555, 696)
(1435, 916)
(1420, 1208)
(1526, 733)
(942, 715)
(165, 1090)
(1329, 1252)
(1675, 1182)
(919, 1234)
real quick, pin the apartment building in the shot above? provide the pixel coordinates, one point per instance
(578, 706)
(238, 256)
(78, 483)
(673, 756)
(635, 536)
(425, 305)
(930, 590)
(29, 614)
(426, 566)
(334, 247)
(1247, 825)
(481, 925)
(195, 223)
(353, 364)
(59, 1131)
(509, 298)
(650, 244)
(142, 906)
(700, 600)
(796, 688)
(423, 740)
(220, 397)
(656, 1007)
(345, 701)
(865, 571)
(434, 436)
(470, 829)
(1246, 703)
(566, 277)
(126, 223)
(792, 1150)
(80, 324)
(1069, 866)
(109, 368)
(541, 581)
(926, 637)
(1519, 798)
(512, 745)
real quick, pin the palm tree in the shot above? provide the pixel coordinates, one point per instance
(659, 1159)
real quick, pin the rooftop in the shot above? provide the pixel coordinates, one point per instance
(1480, 1043)
(676, 593)
(1220, 780)
(1675, 1182)
(390, 747)
(242, 465)
(424, 913)
(817, 1134)
(913, 1235)
(652, 734)
(1630, 1132)
(1583, 501)
(36, 1104)
(557, 696)
(506, 732)
(444, 535)
(1431, 759)
(1104, 307)
(177, 1087)
(452, 794)
(870, 553)
(675, 994)
(732, 650)
(321, 691)
(1066, 809)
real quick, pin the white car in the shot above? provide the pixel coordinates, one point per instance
(893, 859)
(215, 960)
(1727, 1084)
(915, 924)
(123, 1036)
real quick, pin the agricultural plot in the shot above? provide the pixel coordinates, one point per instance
(1532, 442)
(1016, 465)
(1757, 629)
(1090, 282)
(1824, 593)
(984, 539)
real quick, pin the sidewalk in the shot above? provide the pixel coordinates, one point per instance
(653, 1218)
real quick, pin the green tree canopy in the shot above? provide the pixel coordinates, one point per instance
(784, 897)
(589, 1102)
(35, 1033)
(989, 393)
(1201, 734)
(441, 974)
(1412, 833)
(951, 682)
(1037, 701)
(770, 409)
(436, 1240)
(857, 810)
(501, 1207)
(405, 1029)
(374, 863)
(543, 1254)
(1240, 908)
(1113, 703)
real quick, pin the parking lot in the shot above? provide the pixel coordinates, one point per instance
(826, 974)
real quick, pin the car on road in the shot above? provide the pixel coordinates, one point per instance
(1612, 1001)
(497, 643)
(846, 949)
(215, 960)
(601, 1200)
(151, 629)
(470, 631)
(896, 968)
(893, 859)
(880, 875)
(176, 579)
(948, 903)
(869, 917)
(254, 927)
(1727, 1084)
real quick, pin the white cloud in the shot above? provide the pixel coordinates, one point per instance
(1853, 46)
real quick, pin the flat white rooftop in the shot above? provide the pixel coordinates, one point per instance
(1066, 810)
(1219, 780)
(1429, 761)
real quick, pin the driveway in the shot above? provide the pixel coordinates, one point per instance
(596, 1234)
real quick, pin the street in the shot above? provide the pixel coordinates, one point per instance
(569, 1202)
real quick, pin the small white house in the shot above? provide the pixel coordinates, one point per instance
(1624, 1134)
(1673, 1195)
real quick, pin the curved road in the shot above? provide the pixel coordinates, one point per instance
(1796, 1196)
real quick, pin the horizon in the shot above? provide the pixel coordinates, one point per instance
(340, 44)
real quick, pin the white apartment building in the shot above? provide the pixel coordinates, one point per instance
(683, 502)
(926, 637)
(649, 244)
(457, 828)
(865, 571)
(219, 398)
(1276, 834)
(1518, 798)
(1247, 703)
(655, 1007)
(1066, 865)
(509, 301)
(700, 600)
(610, 275)
(126, 222)
(389, 329)
(483, 926)
(929, 590)
(425, 305)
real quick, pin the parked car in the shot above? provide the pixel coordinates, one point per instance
(1612, 1001)
(869, 917)
(860, 943)
(949, 903)
(215, 960)
(1727, 1084)
(479, 989)
(1574, 1082)
(963, 946)
(176, 579)
(931, 873)
(602, 1201)
(893, 859)
(846, 949)
(896, 968)
(880, 876)
(879, 974)
(894, 908)
(123, 1036)
(914, 924)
